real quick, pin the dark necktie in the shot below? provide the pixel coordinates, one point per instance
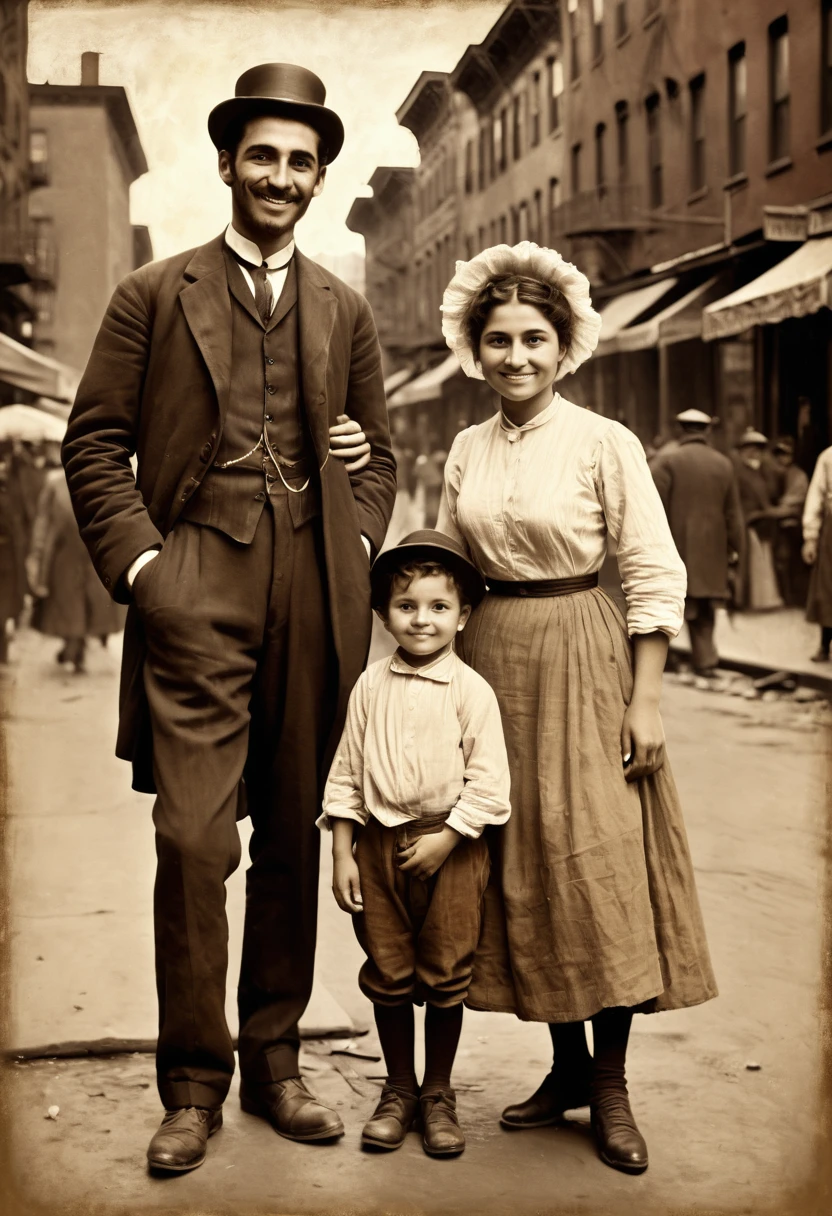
(263, 298)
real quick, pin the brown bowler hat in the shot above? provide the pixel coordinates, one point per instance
(286, 90)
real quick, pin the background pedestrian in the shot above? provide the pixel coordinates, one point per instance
(698, 488)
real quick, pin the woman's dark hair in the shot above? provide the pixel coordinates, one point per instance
(545, 297)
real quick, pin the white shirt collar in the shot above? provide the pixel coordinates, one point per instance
(440, 670)
(538, 420)
(250, 252)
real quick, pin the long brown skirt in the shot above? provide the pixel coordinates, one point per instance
(592, 901)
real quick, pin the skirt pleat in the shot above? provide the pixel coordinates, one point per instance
(592, 902)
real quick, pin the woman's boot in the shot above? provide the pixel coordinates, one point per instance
(566, 1087)
(620, 1143)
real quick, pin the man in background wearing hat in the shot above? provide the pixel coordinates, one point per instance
(243, 549)
(759, 485)
(699, 490)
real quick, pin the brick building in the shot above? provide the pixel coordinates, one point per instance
(87, 149)
(15, 247)
(699, 150)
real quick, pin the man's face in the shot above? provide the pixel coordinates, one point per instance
(274, 176)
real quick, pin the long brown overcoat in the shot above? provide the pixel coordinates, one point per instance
(157, 384)
(699, 490)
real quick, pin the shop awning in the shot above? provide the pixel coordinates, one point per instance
(397, 379)
(35, 373)
(799, 285)
(30, 424)
(624, 309)
(428, 386)
(679, 322)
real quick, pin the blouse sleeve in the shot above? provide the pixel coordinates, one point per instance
(653, 575)
(446, 522)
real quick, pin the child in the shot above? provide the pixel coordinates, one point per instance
(422, 766)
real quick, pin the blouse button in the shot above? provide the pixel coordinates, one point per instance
(512, 436)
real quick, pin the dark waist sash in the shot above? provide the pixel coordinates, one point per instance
(544, 587)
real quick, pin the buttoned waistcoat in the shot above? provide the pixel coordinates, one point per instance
(158, 384)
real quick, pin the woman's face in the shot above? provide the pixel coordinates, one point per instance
(519, 352)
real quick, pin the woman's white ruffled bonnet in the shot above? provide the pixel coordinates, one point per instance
(528, 259)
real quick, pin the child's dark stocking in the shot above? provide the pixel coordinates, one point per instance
(396, 1033)
(442, 1031)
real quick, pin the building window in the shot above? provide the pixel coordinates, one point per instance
(492, 233)
(654, 149)
(737, 108)
(554, 203)
(574, 47)
(503, 230)
(622, 115)
(697, 133)
(482, 159)
(503, 138)
(517, 127)
(469, 248)
(537, 218)
(778, 59)
(534, 111)
(826, 68)
(481, 239)
(600, 164)
(44, 248)
(469, 167)
(597, 28)
(576, 169)
(515, 225)
(523, 221)
(621, 22)
(38, 158)
(554, 79)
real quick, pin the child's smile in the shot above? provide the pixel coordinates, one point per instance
(425, 616)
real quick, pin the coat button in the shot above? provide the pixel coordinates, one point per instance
(205, 454)
(106, 580)
(261, 497)
(269, 418)
(270, 388)
(268, 360)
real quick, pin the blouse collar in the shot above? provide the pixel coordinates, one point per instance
(539, 419)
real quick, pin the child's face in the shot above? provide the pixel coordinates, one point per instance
(425, 616)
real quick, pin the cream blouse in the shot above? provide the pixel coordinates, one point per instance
(538, 502)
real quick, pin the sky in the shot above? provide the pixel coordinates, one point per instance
(179, 59)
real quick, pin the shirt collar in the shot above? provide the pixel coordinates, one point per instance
(539, 419)
(249, 252)
(440, 670)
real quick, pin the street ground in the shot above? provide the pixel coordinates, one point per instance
(723, 1137)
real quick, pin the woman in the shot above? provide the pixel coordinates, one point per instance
(72, 603)
(594, 912)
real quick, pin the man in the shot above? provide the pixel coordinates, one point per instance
(817, 552)
(243, 549)
(699, 490)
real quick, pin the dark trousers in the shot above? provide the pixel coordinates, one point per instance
(700, 615)
(240, 680)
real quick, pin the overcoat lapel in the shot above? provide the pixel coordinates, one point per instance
(207, 307)
(317, 310)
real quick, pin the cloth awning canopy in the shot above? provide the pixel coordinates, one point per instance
(799, 285)
(428, 386)
(36, 373)
(397, 379)
(30, 425)
(624, 309)
(678, 322)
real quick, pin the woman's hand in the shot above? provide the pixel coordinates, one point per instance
(642, 740)
(348, 442)
(424, 857)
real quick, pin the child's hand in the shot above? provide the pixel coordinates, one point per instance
(426, 855)
(346, 886)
